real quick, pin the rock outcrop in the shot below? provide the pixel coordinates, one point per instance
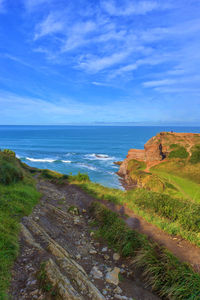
(157, 149)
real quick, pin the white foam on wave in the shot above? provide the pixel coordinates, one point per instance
(40, 159)
(92, 168)
(70, 153)
(66, 161)
(95, 156)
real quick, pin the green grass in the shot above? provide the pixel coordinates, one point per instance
(195, 157)
(17, 198)
(187, 189)
(161, 270)
(178, 152)
(174, 216)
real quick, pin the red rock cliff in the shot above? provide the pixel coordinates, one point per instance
(158, 148)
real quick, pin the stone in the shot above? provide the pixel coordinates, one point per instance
(116, 256)
(34, 292)
(113, 276)
(78, 256)
(117, 290)
(104, 249)
(105, 292)
(91, 233)
(116, 296)
(76, 220)
(93, 251)
(96, 273)
(106, 257)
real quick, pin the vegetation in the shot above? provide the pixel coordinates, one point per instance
(18, 195)
(45, 284)
(80, 177)
(195, 157)
(169, 277)
(176, 216)
(178, 152)
(10, 170)
(143, 179)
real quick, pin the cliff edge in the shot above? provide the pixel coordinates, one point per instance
(163, 146)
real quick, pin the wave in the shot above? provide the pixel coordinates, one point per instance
(40, 159)
(87, 167)
(96, 156)
(66, 161)
(70, 154)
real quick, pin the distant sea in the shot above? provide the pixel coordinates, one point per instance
(88, 149)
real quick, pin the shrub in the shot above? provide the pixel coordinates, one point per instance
(9, 152)
(9, 173)
(195, 157)
(80, 177)
(179, 152)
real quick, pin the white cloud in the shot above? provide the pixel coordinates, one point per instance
(32, 5)
(130, 7)
(156, 83)
(51, 25)
(77, 35)
(2, 6)
(96, 64)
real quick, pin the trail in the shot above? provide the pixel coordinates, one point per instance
(74, 264)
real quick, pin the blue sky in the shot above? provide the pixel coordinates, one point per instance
(66, 62)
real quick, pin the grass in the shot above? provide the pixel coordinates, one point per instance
(161, 270)
(178, 152)
(143, 179)
(187, 188)
(17, 198)
(174, 216)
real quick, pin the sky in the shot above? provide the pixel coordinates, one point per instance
(99, 62)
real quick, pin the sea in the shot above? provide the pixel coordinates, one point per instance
(86, 149)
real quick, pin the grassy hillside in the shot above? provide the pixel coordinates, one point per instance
(18, 195)
(169, 277)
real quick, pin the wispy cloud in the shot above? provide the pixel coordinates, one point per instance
(50, 25)
(2, 6)
(32, 5)
(130, 7)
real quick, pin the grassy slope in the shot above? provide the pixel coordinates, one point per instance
(174, 216)
(16, 200)
(167, 275)
(187, 188)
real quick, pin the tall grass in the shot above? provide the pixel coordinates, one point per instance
(18, 195)
(162, 271)
(174, 216)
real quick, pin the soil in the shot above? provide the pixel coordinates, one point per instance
(59, 238)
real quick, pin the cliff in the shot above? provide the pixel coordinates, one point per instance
(159, 148)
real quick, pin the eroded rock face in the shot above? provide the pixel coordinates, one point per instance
(158, 148)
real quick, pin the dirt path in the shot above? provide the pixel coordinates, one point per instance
(74, 265)
(181, 248)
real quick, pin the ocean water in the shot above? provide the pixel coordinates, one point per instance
(88, 149)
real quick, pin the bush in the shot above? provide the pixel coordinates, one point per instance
(80, 177)
(179, 152)
(9, 152)
(9, 173)
(195, 157)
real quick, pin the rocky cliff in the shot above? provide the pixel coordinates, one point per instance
(160, 148)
